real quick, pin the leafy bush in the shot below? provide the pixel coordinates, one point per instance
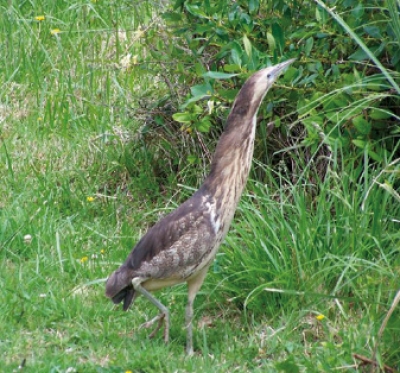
(337, 95)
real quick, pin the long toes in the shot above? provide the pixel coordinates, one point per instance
(157, 328)
(149, 323)
(159, 319)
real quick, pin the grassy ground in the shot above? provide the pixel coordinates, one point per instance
(303, 290)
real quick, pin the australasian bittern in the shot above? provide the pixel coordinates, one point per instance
(182, 245)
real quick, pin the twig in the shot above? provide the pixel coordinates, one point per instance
(375, 181)
(22, 365)
(395, 302)
(374, 364)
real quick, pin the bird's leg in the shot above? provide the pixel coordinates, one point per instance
(160, 318)
(194, 285)
(189, 328)
(163, 316)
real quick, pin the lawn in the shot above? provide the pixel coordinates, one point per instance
(303, 281)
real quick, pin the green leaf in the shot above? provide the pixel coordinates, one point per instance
(159, 120)
(396, 57)
(358, 11)
(373, 31)
(361, 54)
(361, 44)
(359, 143)
(178, 4)
(309, 45)
(196, 109)
(227, 94)
(253, 6)
(217, 75)
(339, 102)
(288, 366)
(271, 42)
(204, 125)
(236, 57)
(376, 86)
(192, 159)
(195, 10)
(378, 114)
(201, 89)
(172, 16)
(182, 117)
(318, 14)
(302, 106)
(221, 32)
(362, 125)
(374, 156)
(313, 121)
(278, 35)
(246, 22)
(191, 100)
(247, 45)
(231, 68)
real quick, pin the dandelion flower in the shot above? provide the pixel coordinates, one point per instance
(128, 371)
(55, 31)
(320, 317)
(84, 259)
(102, 251)
(90, 199)
(40, 18)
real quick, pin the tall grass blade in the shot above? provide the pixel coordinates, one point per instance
(9, 162)
(395, 16)
(58, 247)
(355, 37)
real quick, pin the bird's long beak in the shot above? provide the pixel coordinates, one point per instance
(280, 67)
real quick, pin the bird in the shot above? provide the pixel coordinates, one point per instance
(181, 246)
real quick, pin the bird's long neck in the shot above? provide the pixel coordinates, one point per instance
(233, 155)
(232, 160)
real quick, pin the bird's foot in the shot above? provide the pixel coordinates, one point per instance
(160, 318)
(189, 351)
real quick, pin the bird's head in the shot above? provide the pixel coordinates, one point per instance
(262, 80)
(119, 286)
(256, 87)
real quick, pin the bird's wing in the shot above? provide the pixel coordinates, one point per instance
(171, 249)
(177, 242)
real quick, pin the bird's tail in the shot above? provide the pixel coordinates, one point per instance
(119, 287)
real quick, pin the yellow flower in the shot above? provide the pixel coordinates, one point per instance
(102, 251)
(128, 371)
(40, 18)
(55, 31)
(320, 317)
(84, 259)
(90, 199)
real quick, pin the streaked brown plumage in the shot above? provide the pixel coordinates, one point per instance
(182, 245)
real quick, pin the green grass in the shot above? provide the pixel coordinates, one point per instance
(78, 179)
